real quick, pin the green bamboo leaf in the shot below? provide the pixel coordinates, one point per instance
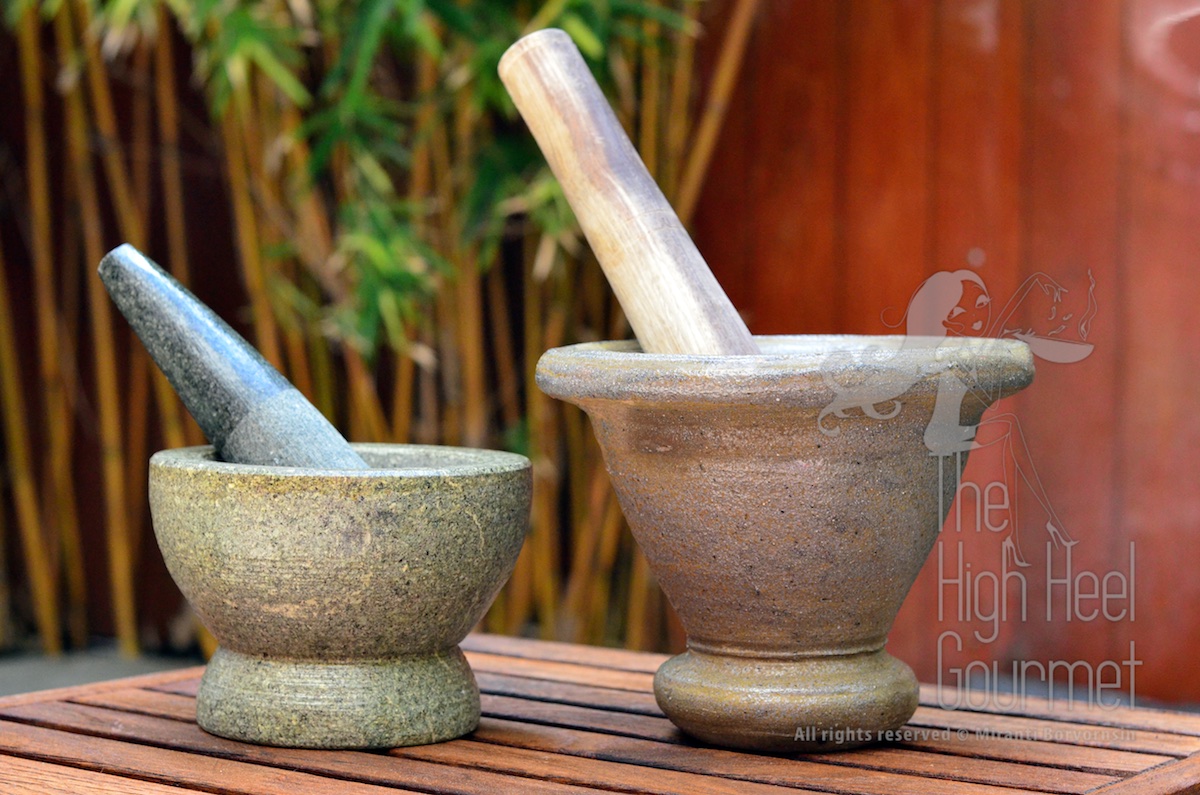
(589, 44)
(671, 19)
(119, 13)
(14, 10)
(390, 312)
(279, 74)
(455, 17)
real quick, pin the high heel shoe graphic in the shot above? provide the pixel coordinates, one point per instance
(1059, 537)
(1012, 552)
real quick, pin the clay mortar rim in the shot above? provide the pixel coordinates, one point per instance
(620, 370)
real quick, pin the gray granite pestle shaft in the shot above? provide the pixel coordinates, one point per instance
(250, 413)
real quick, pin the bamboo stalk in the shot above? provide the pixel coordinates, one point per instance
(445, 309)
(324, 387)
(584, 574)
(469, 303)
(104, 118)
(67, 557)
(316, 252)
(678, 105)
(365, 398)
(425, 431)
(20, 473)
(450, 424)
(507, 388)
(57, 413)
(140, 161)
(402, 394)
(643, 610)
(131, 204)
(6, 613)
(469, 288)
(544, 441)
(266, 187)
(575, 432)
(520, 586)
(167, 108)
(613, 532)
(168, 133)
(249, 248)
(112, 459)
(125, 205)
(729, 64)
(313, 233)
(419, 185)
(137, 399)
(140, 368)
(648, 129)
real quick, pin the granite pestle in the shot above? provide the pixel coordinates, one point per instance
(250, 413)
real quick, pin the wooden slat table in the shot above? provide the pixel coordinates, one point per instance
(560, 718)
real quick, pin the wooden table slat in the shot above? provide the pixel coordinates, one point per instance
(167, 765)
(64, 693)
(797, 772)
(146, 702)
(240, 767)
(555, 671)
(32, 777)
(890, 771)
(1090, 734)
(560, 718)
(1153, 748)
(1149, 719)
(885, 760)
(1084, 760)
(1180, 776)
(557, 651)
(370, 767)
(1080, 759)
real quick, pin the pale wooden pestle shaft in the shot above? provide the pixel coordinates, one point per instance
(670, 296)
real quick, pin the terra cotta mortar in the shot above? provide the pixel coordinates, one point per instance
(786, 503)
(338, 597)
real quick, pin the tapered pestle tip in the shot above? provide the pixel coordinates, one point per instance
(246, 408)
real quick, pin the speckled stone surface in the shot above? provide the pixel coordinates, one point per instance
(338, 597)
(249, 412)
(786, 503)
(418, 700)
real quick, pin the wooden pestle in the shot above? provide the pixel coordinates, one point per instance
(246, 408)
(671, 298)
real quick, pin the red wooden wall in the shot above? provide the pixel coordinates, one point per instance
(871, 143)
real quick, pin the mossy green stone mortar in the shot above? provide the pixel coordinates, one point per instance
(338, 597)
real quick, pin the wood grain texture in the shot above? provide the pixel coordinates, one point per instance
(166, 765)
(1008, 139)
(31, 777)
(973, 159)
(1073, 230)
(1158, 437)
(673, 302)
(560, 718)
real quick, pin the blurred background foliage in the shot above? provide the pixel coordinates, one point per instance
(393, 242)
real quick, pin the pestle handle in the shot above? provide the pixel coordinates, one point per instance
(246, 408)
(671, 298)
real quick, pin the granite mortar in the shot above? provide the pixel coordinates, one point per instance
(338, 597)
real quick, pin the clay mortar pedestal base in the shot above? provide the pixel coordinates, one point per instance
(338, 597)
(786, 503)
